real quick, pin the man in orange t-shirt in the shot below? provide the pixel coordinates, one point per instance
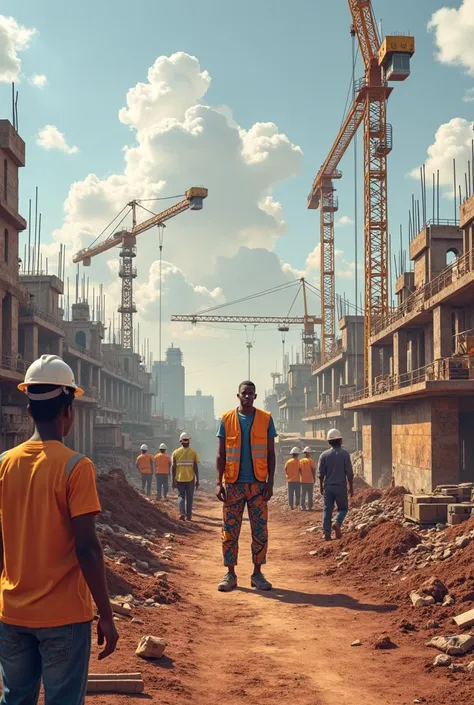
(292, 472)
(162, 470)
(145, 465)
(50, 557)
(308, 478)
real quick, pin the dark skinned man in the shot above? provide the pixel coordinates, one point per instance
(245, 476)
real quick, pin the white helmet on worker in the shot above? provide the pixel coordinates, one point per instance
(185, 436)
(163, 446)
(334, 435)
(144, 447)
(295, 451)
(49, 370)
(307, 450)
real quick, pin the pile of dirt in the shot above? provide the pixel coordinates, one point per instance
(127, 508)
(365, 496)
(139, 540)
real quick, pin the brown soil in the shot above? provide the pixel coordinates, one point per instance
(290, 645)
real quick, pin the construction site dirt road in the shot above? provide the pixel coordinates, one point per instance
(290, 645)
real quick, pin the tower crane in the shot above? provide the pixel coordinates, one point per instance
(384, 61)
(282, 322)
(127, 240)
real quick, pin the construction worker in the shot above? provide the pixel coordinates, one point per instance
(245, 476)
(51, 560)
(185, 468)
(162, 470)
(335, 474)
(308, 478)
(293, 478)
(145, 465)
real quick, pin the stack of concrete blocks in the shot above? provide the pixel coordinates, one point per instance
(461, 509)
(427, 509)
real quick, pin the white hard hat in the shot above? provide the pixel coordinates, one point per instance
(144, 447)
(51, 370)
(334, 435)
(163, 446)
(295, 451)
(307, 450)
(185, 436)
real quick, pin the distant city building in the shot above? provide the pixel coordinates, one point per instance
(200, 407)
(168, 385)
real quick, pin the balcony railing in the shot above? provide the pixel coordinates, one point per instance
(324, 410)
(414, 303)
(15, 364)
(31, 310)
(448, 369)
(74, 346)
(336, 350)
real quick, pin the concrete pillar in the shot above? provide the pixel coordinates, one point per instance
(400, 353)
(31, 343)
(442, 335)
(375, 364)
(78, 372)
(90, 377)
(318, 390)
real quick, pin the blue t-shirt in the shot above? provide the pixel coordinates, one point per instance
(246, 473)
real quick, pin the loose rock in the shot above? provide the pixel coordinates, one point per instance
(151, 647)
(443, 660)
(357, 642)
(384, 642)
(453, 645)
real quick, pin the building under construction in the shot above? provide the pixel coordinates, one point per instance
(115, 413)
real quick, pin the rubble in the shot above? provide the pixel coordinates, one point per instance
(151, 647)
(384, 642)
(443, 660)
(453, 645)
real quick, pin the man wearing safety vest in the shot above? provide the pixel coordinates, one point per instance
(162, 469)
(293, 478)
(308, 478)
(145, 464)
(51, 560)
(245, 476)
(185, 470)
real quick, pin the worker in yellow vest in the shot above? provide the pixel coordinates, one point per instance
(145, 465)
(308, 478)
(245, 476)
(293, 478)
(185, 469)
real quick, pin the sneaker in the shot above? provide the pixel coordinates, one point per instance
(182, 517)
(337, 530)
(327, 537)
(259, 581)
(228, 583)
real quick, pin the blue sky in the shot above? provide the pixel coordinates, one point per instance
(290, 66)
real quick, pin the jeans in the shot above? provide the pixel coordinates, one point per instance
(59, 656)
(307, 489)
(238, 495)
(162, 484)
(294, 493)
(334, 495)
(146, 483)
(185, 499)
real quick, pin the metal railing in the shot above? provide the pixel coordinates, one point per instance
(31, 310)
(14, 364)
(74, 346)
(416, 301)
(336, 350)
(448, 369)
(324, 409)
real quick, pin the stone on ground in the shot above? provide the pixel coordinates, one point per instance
(151, 647)
(442, 660)
(453, 645)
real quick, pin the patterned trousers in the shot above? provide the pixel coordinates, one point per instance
(237, 496)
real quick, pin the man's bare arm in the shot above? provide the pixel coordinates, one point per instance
(220, 470)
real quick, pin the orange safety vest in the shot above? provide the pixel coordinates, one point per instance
(258, 445)
(145, 462)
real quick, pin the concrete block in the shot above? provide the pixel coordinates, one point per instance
(465, 620)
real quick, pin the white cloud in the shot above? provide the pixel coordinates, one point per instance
(344, 220)
(14, 38)
(39, 80)
(469, 95)
(454, 30)
(49, 137)
(452, 141)
(178, 141)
